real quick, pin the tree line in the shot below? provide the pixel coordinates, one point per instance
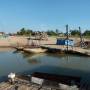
(56, 32)
(78, 32)
(29, 32)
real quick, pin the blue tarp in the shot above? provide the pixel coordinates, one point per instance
(70, 42)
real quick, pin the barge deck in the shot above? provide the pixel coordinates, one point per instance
(71, 50)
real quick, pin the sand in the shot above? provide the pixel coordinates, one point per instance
(21, 41)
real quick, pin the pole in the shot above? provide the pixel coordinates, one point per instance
(80, 36)
(67, 36)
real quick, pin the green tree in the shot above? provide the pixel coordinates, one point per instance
(23, 31)
(29, 32)
(51, 33)
(75, 32)
(86, 33)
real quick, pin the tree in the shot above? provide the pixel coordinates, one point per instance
(57, 31)
(75, 32)
(23, 31)
(86, 33)
(51, 33)
(29, 32)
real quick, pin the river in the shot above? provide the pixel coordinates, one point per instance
(24, 63)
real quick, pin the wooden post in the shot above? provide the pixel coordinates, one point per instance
(67, 36)
(81, 41)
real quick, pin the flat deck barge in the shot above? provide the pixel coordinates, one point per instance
(71, 50)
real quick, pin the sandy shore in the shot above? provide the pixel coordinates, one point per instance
(12, 41)
(6, 49)
(21, 41)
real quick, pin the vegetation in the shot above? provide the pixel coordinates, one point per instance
(56, 32)
(23, 31)
(86, 33)
(75, 32)
(51, 33)
(29, 32)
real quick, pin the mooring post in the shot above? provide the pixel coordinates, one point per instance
(67, 35)
(81, 41)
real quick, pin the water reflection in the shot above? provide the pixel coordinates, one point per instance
(33, 61)
(31, 55)
(32, 58)
(56, 55)
(16, 51)
(26, 55)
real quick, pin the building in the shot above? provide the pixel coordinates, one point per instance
(2, 33)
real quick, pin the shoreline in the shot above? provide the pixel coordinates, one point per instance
(6, 48)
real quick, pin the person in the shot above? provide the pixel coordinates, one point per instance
(11, 77)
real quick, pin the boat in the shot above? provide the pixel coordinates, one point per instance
(34, 50)
(61, 79)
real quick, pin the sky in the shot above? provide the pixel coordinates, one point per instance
(44, 14)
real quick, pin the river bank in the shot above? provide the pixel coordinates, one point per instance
(35, 83)
(22, 41)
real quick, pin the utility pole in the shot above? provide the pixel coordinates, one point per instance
(67, 36)
(81, 41)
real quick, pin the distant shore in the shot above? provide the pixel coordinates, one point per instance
(22, 41)
(2, 49)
